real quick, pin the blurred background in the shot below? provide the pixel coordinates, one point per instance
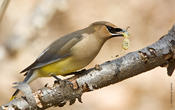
(29, 26)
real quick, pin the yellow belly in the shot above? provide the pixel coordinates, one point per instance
(62, 67)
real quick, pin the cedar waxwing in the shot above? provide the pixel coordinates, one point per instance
(71, 52)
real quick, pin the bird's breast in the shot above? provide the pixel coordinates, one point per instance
(87, 48)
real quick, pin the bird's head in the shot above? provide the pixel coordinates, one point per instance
(107, 30)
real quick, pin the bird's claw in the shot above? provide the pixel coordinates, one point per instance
(57, 81)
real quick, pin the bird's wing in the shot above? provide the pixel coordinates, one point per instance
(58, 50)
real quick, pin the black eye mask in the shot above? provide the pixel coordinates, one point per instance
(113, 30)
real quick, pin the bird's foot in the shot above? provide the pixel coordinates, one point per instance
(57, 79)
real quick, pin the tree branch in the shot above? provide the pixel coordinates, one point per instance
(3, 8)
(27, 28)
(160, 53)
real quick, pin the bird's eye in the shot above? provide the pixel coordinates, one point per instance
(113, 30)
(118, 29)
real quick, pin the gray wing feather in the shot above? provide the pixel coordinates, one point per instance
(56, 51)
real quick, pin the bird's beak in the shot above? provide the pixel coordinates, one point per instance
(120, 33)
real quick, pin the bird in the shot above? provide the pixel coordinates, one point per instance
(71, 52)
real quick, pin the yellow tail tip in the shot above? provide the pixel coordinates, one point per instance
(12, 98)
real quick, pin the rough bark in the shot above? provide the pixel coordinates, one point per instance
(160, 53)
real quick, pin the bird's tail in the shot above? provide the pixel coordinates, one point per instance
(30, 76)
